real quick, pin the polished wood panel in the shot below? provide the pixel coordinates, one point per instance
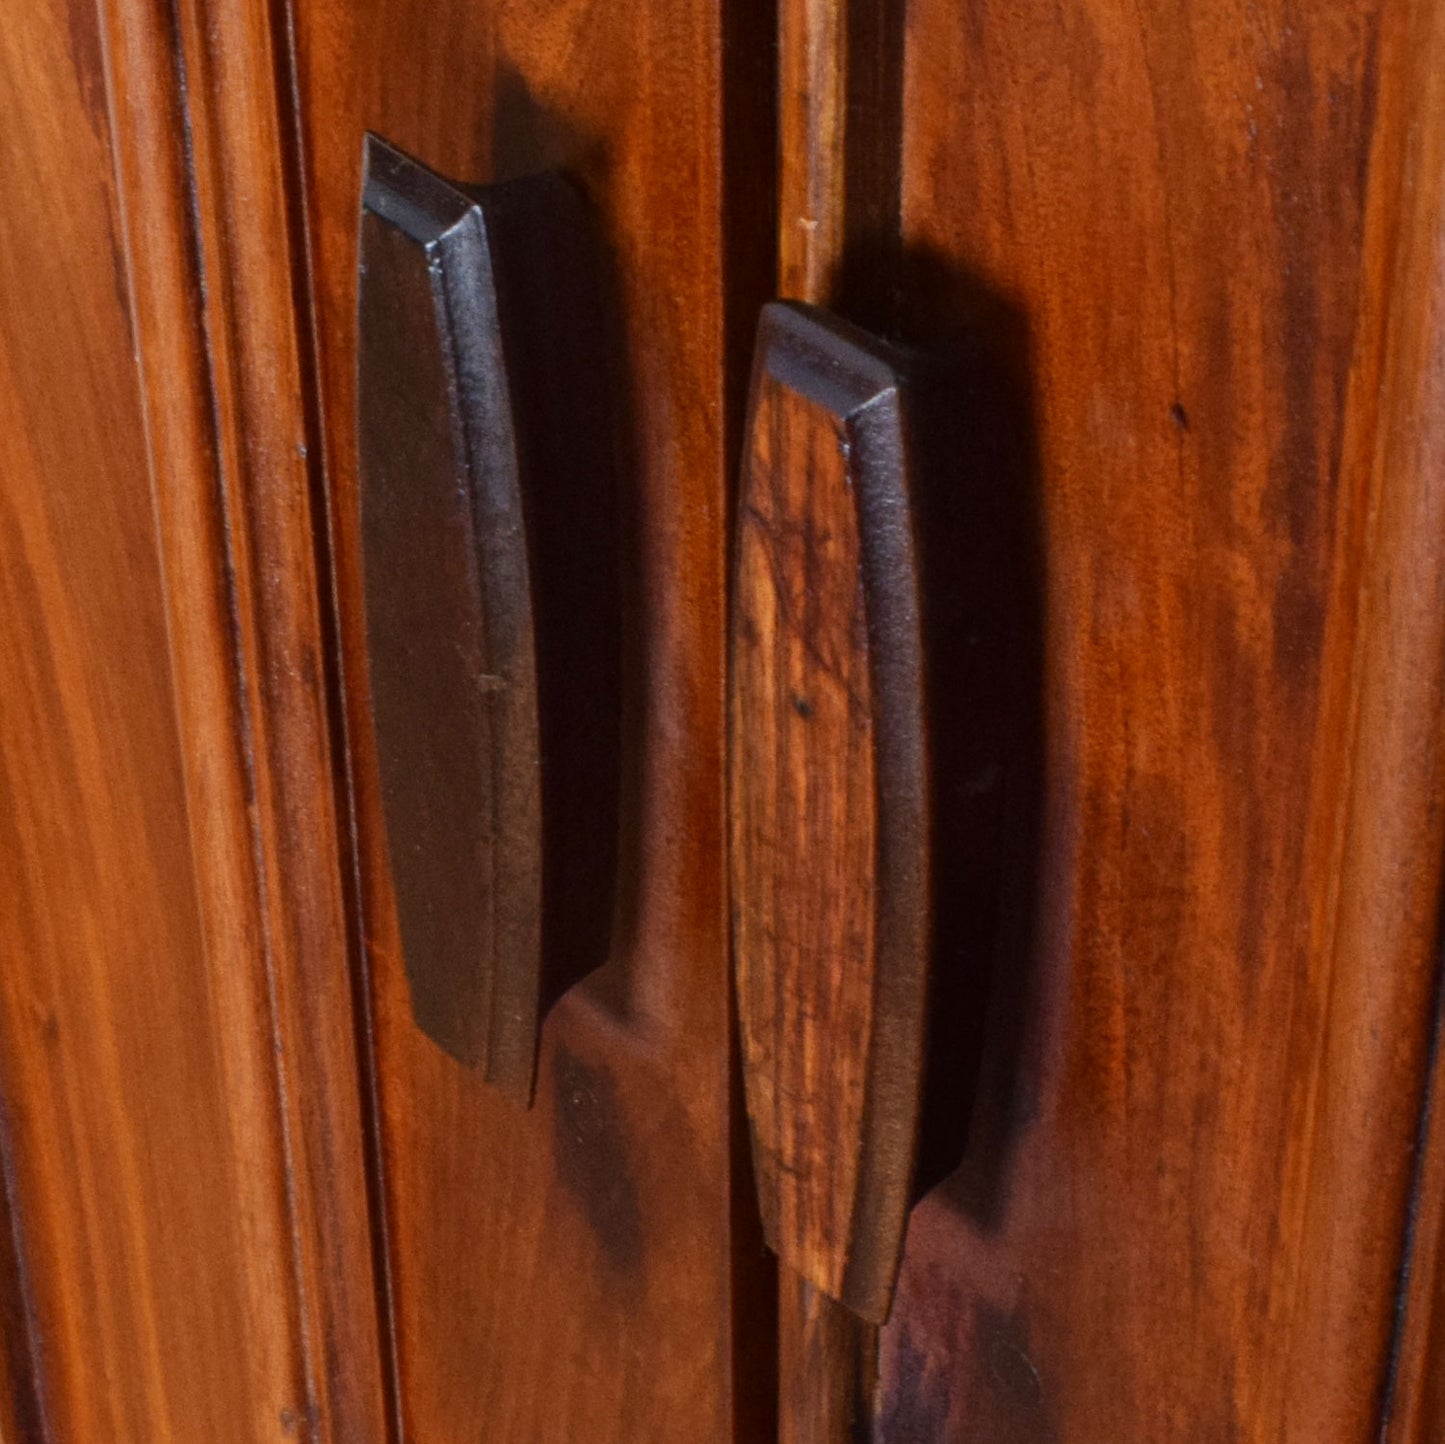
(813, 177)
(568, 1273)
(1197, 250)
(207, 171)
(153, 1176)
(1173, 278)
(829, 804)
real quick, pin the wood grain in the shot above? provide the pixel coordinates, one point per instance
(1404, 708)
(207, 172)
(22, 1417)
(582, 1250)
(159, 1166)
(154, 1225)
(812, 100)
(818, 1358)
(828, 794)
(1181, 1212)
(839, 93)
(838, 146)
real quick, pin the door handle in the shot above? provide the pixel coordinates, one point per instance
(828, 805)
(488, 531)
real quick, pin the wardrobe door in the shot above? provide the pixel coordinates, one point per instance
(572, 1268)
(1178, 269)
(1169, 278)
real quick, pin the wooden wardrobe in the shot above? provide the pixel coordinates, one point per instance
(1163, 287)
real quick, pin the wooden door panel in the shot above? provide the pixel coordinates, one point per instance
(1171, 277)
(182, 1130)
(568, 1272)
(142, 1139)
(1191, 237)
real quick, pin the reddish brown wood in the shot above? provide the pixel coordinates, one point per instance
(1415, 1402)
(204, 160)
(1199, 246)
(824, 1363)
(813, 176)
(1177, 276)
(837, 141)
(179, 1173)
(582, 1250)
(838, 127)
(830, 880)
(1405, 704)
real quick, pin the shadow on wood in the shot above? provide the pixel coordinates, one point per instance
(975, 487)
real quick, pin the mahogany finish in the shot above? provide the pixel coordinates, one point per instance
(829, 805)
(569, 1273)
(1405, 708)
(181, 1137)
(205, 156)
(1209, 243)
(1171, 279)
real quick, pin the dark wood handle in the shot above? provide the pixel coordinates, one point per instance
(829, 812)
(489, 579)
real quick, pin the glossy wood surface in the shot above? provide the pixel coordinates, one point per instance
(1174, 275)
(208, 171)
(133, 1192)
(829, 804)
(183, 1209)
(1410, 572)
(21, 1416)
(1200, 249)
(568, 1273)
